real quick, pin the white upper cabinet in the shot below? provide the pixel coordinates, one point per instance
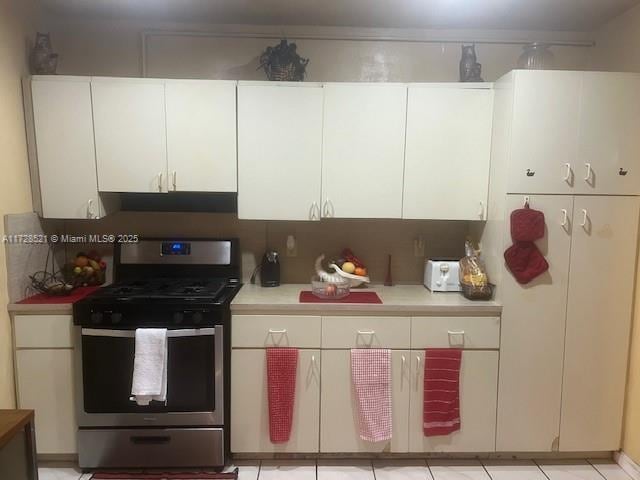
(279, 151)
(448, 150)
(544, 131)
(201, 135)
(363, 150)
(130, 134)
(608, 146)
(62, 147)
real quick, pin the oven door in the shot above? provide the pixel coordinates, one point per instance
(104, 374)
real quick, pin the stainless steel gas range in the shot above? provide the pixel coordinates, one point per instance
(185, 286)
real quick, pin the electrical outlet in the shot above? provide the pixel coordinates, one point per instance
(418, 247)
(292, 246)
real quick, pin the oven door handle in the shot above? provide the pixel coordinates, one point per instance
(188, 332)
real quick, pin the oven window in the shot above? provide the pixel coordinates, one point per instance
(107, 368)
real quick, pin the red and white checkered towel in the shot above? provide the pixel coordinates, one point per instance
(371, 376)
(282, 366)
(441, 391)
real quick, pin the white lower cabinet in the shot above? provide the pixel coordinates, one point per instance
(250, 406)
(339, 428)
(45, 384)
(478, 396)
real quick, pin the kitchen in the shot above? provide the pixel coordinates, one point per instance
(156, 97)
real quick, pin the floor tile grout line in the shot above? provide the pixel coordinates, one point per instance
(485, 469)
(541, 469)
(596, 468)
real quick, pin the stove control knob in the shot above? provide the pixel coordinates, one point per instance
(96, 317)
(116, 318)
(197, 317)
(178, 317)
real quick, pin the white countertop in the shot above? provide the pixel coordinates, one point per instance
(399, 299)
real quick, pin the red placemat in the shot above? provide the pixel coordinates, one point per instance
(44, 299)
(354, 297)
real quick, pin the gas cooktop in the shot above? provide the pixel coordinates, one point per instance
(206, 289)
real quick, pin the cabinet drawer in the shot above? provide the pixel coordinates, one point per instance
(461, 332)
(259, 331)
(355, 332)
(43, 331)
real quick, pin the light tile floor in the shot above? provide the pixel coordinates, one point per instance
(407, 470)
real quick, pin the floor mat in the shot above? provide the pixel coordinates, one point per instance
(155, 475)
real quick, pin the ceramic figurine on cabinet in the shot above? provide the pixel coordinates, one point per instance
(470, 69)
(43, 60)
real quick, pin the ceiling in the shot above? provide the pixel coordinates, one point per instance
(576, 15)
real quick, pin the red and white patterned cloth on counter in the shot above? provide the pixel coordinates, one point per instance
(441, 391)
(371, 376)
(282, 366)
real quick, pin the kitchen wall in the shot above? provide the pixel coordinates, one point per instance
(18, 20)
(207, 51)
(618, 49)
(372, 240)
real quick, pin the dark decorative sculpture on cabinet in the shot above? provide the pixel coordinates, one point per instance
(470, 69)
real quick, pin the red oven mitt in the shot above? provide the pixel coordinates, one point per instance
(525, 261)
(527, 225)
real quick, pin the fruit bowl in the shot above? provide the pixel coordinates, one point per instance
(332, 290)
(354, 280)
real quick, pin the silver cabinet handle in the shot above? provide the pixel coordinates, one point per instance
(481, 210)
(160, 181)
(277, 332)
(366, 332)
(174, 181)
(585, 217)
(567, 173)
(314, 212)
(588, 175)
(565, 217)
(325, 209)
(90, 208)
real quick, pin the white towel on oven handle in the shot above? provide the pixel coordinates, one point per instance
(150, 366)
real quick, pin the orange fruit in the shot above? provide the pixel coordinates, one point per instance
(361, 271)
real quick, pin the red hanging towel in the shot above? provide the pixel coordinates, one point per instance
(441, 413)
(282, 366)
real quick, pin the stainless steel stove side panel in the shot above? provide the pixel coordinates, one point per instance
(169, 419)
(145, 448)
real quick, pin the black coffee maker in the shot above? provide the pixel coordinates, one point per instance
(270, 269)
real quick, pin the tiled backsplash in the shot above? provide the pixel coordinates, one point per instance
(371, 240)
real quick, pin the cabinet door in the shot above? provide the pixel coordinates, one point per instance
(447, 155)
(363, 150)
(63, 131)
(339, 428)
(544, 131)
(599, 310)
(279, 151)
(250, 409)
(478, 386)
(50, 392)
(532, 336)
(131, 145)
(608, 142)
(201, 135)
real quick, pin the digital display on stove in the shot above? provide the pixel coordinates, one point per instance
(176, 248)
